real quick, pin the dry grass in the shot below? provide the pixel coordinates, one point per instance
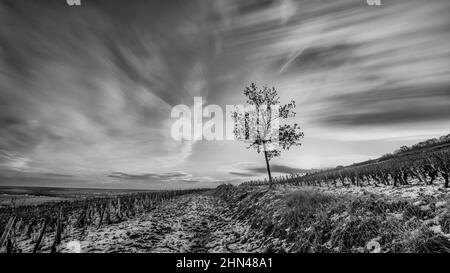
(308, 221)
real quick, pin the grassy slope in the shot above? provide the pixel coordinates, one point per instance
(305, 220)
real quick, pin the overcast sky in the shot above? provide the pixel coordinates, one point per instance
(86, 92)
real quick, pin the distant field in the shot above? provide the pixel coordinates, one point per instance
(26, 200)
(24, 196)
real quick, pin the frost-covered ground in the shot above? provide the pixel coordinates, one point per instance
(285, 219)
(192, 223)
(411, 192)
(355, 219)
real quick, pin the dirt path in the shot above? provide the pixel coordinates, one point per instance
(192, 223)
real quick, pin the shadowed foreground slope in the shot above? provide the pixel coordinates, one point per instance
(317, 220)
(285, 219)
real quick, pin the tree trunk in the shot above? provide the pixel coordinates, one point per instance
(268, 169)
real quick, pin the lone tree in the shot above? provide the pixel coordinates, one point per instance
(258, 123)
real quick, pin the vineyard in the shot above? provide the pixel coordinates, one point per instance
(422, 167)
(242, 218)
(44, 226)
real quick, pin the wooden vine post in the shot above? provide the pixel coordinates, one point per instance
(7, 230)
(41, 235)
(58, 231)
(101, 216)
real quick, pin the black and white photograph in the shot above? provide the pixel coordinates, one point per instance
(224, 127)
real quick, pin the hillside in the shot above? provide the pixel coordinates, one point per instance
(425, 163)
(322, 220)
(428, 145)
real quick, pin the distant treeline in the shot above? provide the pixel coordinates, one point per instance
(424, 144)
(429, 144)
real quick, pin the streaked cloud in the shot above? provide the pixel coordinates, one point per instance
(254, 169)
(86, 94)
(150, 176)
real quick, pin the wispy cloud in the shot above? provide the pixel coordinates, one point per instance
(253, 169)
(87, 92)
(174, 178)
(84, 92)
(150, 176)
